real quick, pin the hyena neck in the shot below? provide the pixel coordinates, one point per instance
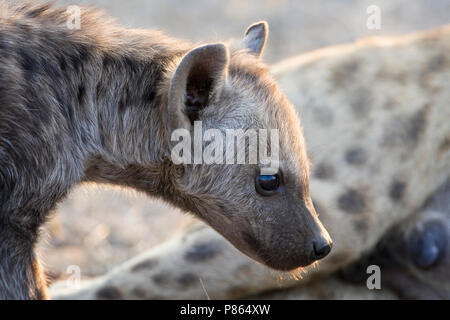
(130, 98)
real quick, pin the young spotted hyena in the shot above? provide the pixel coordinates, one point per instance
(100, 104)
(384, 102)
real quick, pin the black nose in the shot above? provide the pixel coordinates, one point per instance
(322, 249)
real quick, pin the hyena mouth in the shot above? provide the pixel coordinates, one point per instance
(272, 257)
(288, 258)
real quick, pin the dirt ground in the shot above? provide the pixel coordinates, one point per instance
(97, 227)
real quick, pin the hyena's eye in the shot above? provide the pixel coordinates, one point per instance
(267, 184)
(427, 246)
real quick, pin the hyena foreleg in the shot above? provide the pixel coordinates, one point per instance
(20, 271)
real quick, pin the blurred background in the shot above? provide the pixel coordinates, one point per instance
(97, 227)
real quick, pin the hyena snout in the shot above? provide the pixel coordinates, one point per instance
(321, 242)
(301, 252)
(316, 245)
(316, 241)
(321, 247)
(287, 247)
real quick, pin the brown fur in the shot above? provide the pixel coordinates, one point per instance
(100, 104)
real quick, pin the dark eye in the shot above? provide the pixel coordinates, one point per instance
(427, 247)
(267, 184)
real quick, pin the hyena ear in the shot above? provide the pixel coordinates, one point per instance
(255, 37)
(198, 78)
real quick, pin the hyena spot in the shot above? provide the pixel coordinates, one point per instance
(243, 270)
(161, 279)
(355, 156)
(386, 73)
(437, 63)
(397, 190)
(145, 265)
(139, 293)
(324, 171)
(323, 115)
(427, 84)
(345, 73)
(417, 125)
(109, 293)
(445, 145)
(187, 280)
(361, 226)
(352, 201)
(405, 131)
(361, 102)
(202, 252)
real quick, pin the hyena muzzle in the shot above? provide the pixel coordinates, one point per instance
(100, 103)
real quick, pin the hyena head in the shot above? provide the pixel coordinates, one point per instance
(263, 208)
(416, 256)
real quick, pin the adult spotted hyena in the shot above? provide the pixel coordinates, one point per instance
(100, 104)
